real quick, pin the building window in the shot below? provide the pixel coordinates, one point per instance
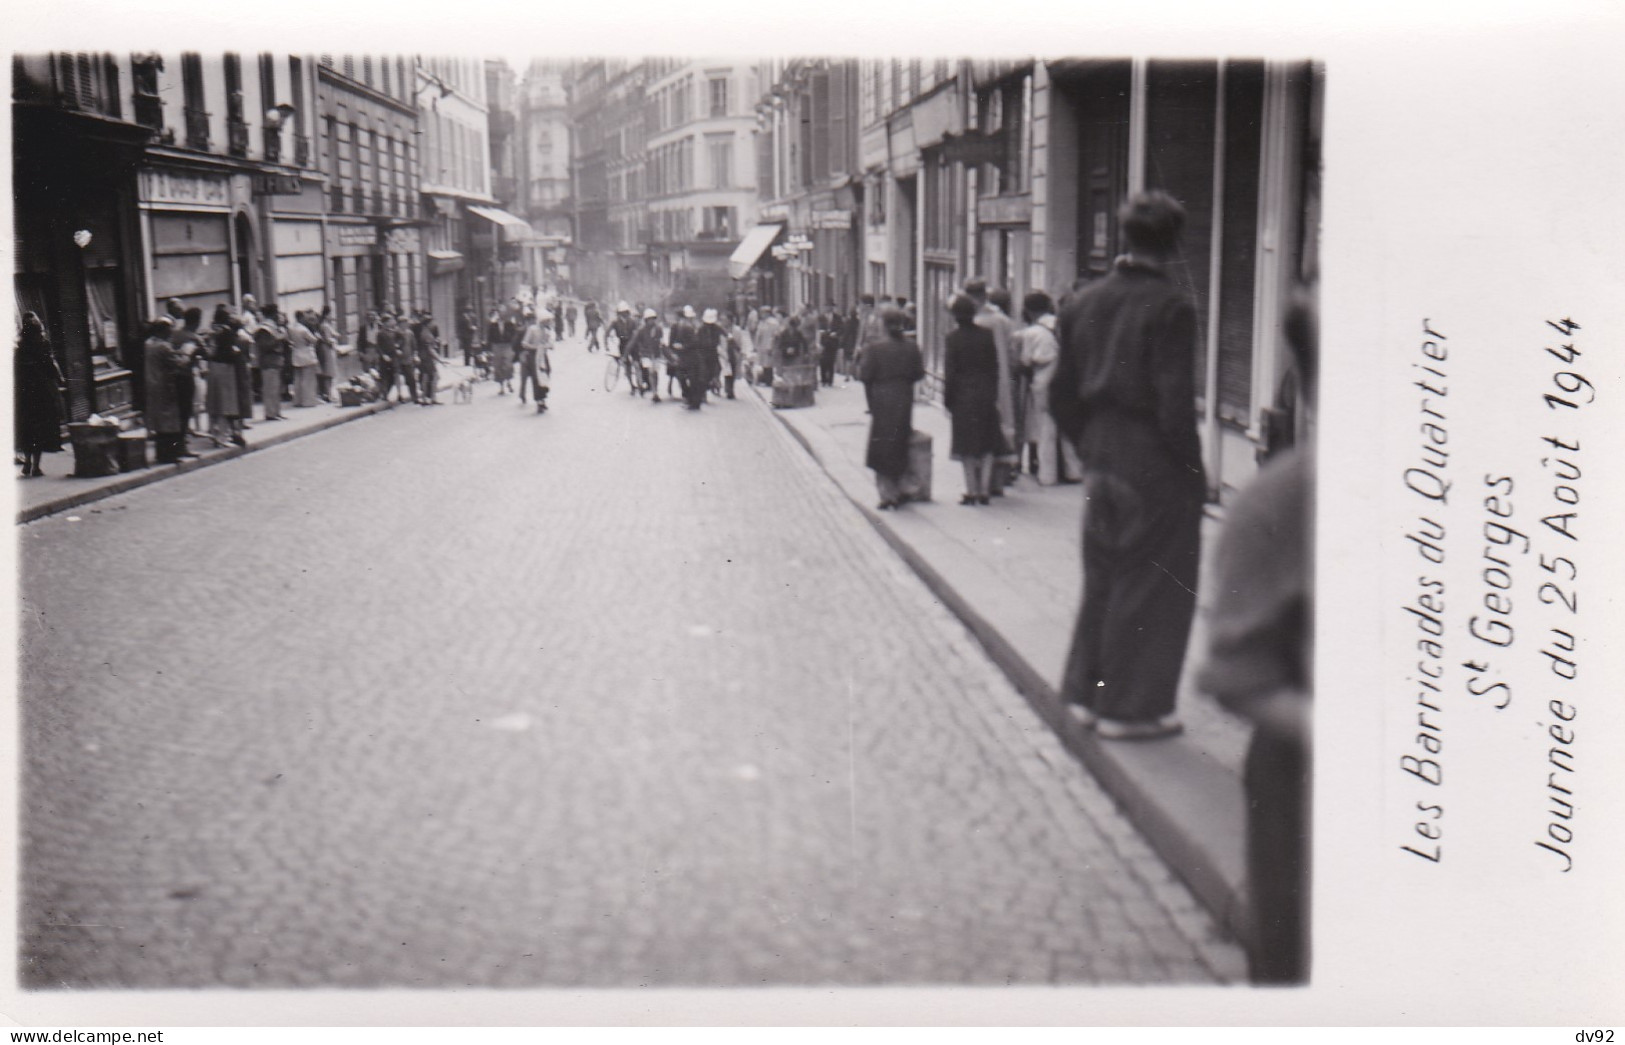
(349, 66)
(719, 96)
(149, 107)
(877, 201)
(1002, 112)
(722, 161)
(197, 118)
(366, 69)
(718, 223)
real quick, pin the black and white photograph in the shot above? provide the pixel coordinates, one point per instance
(737, 621)
(525, 516)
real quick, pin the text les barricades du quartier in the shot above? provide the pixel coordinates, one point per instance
(1491, 625)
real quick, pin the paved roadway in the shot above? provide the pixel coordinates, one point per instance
(618, 695)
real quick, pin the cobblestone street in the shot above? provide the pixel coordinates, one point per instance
(619, 695)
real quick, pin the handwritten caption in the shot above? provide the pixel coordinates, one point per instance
(1509, 638)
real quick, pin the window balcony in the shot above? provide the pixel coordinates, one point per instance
(237, 138)
(301, 150)
(336, 199)
(272, 144)
(149, 111)
(197, 129)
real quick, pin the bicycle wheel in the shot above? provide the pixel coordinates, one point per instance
(612, 371)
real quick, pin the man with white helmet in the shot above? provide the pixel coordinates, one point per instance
(710, 351)
(624, 328)
(644, 346)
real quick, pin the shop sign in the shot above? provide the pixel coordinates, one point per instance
(773, 212)
(160, 185)
(278, 185)
(831, 219)
(356, 235)
(973, 148)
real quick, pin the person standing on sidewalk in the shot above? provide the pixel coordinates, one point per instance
(271, 347)
(889, 371)
(1055, 459)
(992, 318)
(1124, 392)
(37, 390)
(366, 341)
(970, 388)
(302, 354)
(389, 355)
(190, 341)
(248, 368)
(327, 353)
(225, 355)
(768, 329)
(164, 362)
(428, 346)
(829, 346)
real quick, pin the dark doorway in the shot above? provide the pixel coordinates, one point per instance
(1099, 92)
(243, 231)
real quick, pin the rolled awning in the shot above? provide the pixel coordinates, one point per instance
(751, 248)
(514, 228)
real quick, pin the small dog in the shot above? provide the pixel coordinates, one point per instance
(463, 393)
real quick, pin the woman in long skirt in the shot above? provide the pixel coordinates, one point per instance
(37, 386)
(302, 350)
(501, 349)
(889, 372)
(971, 393)
(222, 396)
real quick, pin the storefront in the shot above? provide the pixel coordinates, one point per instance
(358, 265)
(77, 238)
(293, 211)
(187, 213)
(1236, 142)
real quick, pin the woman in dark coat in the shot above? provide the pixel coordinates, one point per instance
(971, 393)
(222, 399)
(888, 372)
(37, 385)
(165, 362)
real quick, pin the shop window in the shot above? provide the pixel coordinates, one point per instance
(101, 294)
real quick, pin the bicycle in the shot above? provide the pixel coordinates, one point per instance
(612, 371)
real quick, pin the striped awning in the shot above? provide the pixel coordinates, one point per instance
(751, 248)
(514, 228)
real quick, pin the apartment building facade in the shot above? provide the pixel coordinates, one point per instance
(367, 125)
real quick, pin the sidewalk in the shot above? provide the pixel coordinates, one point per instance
(58, 490)
(1012, 572)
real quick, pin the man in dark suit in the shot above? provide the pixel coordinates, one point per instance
(1124, 392)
